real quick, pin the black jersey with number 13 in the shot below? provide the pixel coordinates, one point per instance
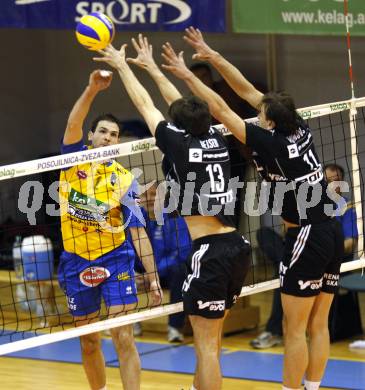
(198, 172)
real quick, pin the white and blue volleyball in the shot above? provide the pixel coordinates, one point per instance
(95, 31)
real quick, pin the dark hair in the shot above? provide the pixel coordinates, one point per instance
(200, 65)
(105, 117)
(335, 167)
(280, 108)
(191, 114)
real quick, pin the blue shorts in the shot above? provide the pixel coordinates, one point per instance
(110, 276)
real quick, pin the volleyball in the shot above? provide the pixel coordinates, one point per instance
(95, 31)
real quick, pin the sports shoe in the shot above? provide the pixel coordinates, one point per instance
(137, 329)
(358, 344)
(174, 335)
(266, 340)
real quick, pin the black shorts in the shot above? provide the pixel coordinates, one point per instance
(217, 267)
(312, 259)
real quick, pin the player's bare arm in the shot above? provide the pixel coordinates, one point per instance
(138, 94)
(143, 247)
(98, 81)
(229, 72)
(145, 61)
(217, 106)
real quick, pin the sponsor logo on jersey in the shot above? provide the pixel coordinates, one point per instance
(123, 276)
(293, 151)
(113, 178)
(312, 284)
(210, 143)
(195, 155)
(93, 276)
(81, 174)
(212, 306)
(331, 279)
(71, 303)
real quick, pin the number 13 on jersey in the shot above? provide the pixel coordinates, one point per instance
(216, 177)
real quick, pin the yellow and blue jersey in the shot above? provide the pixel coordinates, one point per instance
(98, 202)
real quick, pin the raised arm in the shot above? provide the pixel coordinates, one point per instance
(229, 72)
(98, 81)
(217, 106)
(145, 61)
(138, 94)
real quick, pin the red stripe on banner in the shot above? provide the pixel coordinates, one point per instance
(346, 6)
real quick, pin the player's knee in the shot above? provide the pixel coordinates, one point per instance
(317, 325)
(295, 322)
(123, 339)
(90, 343)
(294, 329)
(207, 346)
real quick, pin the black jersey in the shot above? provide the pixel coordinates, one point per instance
(198, 172)
(294, 161)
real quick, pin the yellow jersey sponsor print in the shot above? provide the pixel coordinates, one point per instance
(91, 212)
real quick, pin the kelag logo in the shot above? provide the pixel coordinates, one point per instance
(124, 12)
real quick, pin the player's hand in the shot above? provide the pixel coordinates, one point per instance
(100, 79)
(113, 57)
(144, 51)
(174, 62)
(156, 293)
(194, 38)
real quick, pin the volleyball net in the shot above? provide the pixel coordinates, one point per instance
(34, 309)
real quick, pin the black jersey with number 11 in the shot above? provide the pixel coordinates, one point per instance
(292, 161)
(198, 172)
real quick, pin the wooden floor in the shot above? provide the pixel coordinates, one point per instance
(25, 374)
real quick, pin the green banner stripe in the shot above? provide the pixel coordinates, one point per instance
(321, 17)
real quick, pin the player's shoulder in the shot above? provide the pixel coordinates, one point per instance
(215, 132)
(168, 126)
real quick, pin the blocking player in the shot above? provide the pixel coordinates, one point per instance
(98, 202)
(197, 166)
(310, 269)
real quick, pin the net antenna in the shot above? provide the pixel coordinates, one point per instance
(354, 145)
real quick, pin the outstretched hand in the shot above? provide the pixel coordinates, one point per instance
(144, 51)
(115, 58)
(100, 79)
(194, 38)
(174, 62)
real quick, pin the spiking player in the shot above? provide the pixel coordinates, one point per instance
(97, 203)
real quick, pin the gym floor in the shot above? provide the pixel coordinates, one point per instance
(170, 366)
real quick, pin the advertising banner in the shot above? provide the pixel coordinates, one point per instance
(127, 15)
(311, 17)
